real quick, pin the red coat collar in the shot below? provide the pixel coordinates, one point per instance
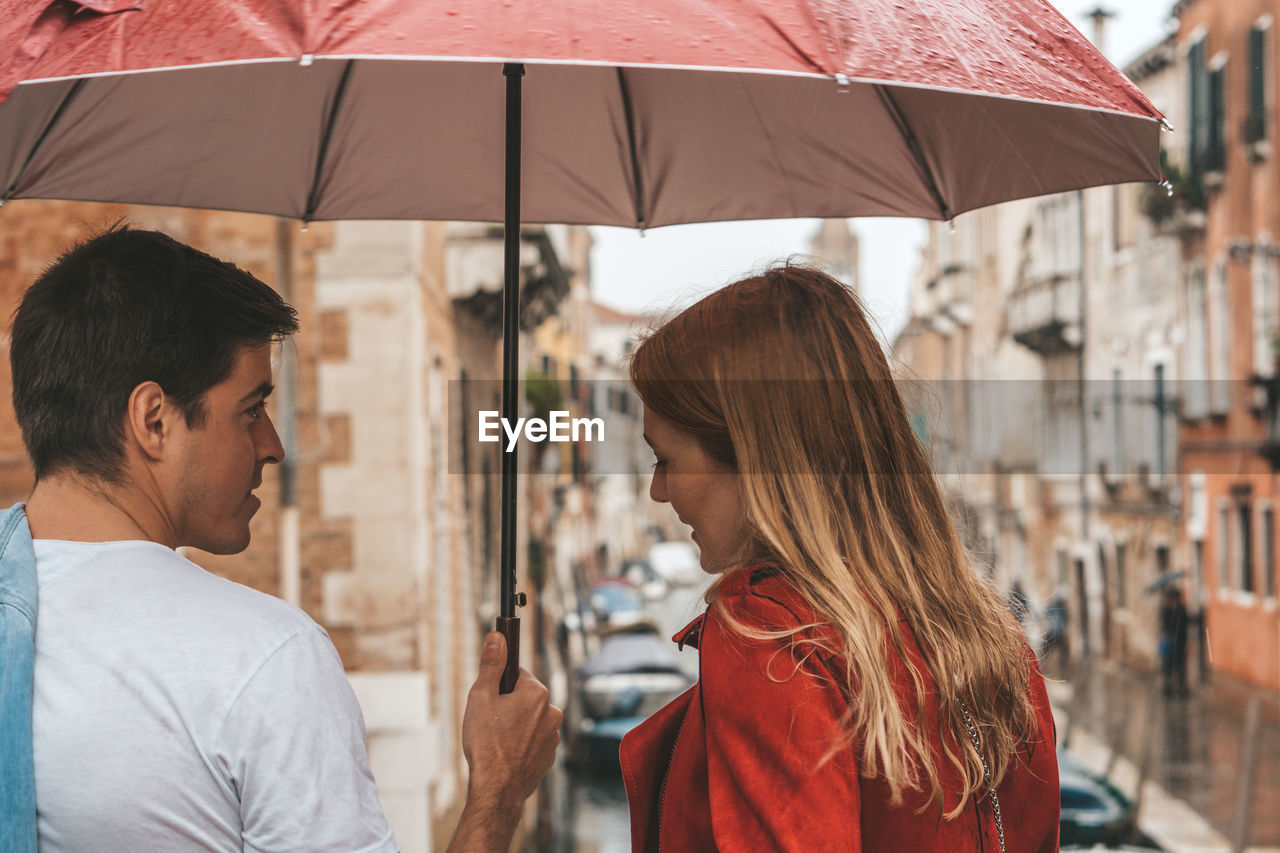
(735, 583)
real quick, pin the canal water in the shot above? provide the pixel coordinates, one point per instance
(591, 804)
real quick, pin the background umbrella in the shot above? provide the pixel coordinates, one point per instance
(1163, 582)
(641, 113)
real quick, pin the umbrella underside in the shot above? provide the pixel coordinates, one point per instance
(395, 139)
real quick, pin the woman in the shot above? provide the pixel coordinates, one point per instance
(859, 682)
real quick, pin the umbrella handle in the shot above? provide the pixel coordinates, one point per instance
(509, 627)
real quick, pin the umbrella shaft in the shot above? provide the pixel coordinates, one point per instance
(511, 336)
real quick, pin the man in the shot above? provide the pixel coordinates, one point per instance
(174, 710)
(1172, 643)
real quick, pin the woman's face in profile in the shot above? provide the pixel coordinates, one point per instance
(705, 495)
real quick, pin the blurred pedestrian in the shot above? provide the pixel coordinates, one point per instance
(1018, 604)
(1055, 631)
(1172, 643)
(862, 687)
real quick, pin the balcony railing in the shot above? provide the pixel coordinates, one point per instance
(1044, 314)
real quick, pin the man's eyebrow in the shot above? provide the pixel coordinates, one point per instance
(262, 392)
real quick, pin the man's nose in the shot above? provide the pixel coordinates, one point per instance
(270, 448)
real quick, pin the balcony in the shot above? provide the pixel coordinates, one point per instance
(1044, 314)
(474, 263)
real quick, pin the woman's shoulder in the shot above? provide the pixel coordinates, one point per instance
(762, 598)
(764, 592)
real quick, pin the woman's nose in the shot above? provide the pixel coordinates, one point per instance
(658, 487)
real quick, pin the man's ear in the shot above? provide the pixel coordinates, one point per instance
(149, 419)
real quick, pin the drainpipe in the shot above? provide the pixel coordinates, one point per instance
(289, 539)
(1086, 645)
(1080, 382)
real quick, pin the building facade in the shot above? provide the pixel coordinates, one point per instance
(1047, 332)
(1146, 457)
(1231, 289)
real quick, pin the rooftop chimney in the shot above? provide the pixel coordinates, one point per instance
(1100, 16)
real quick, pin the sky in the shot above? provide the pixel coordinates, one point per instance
(672, 266)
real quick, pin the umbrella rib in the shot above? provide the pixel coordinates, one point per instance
(44, 135)
(627, 112)
(313, 195)
(913, 145)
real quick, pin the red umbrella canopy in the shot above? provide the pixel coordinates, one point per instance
(640, 112)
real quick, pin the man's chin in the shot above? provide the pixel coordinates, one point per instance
(228, 550)
(224, 545)
(234, 543)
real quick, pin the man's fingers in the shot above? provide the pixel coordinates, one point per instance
(528, 681)
(493, 660)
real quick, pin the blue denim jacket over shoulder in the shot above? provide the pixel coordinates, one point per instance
(17, 663)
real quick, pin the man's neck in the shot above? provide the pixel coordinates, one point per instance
(83, 509)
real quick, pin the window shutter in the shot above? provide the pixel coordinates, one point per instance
(1215, 154)
(1256, 124)
(1196, 380)
(1259, 318)
(1197, 91)
(1219, 341)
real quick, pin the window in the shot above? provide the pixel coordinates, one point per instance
(1216, 153)
(1165, 426)
(1056, 247)
(1120, 574)
(1266, 294)
(1197, 575)
(1195, 394)
(1255, 123)
(1205, 90)
(1244, 553)
(1197, 107)
(1268, 551)
(1222, 533)
(1220, 361)
(1117, 408)
(1125, 213)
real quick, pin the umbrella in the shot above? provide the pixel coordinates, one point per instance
(1163, 582)
(639, 112)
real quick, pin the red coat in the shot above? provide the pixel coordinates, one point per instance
(734, 763)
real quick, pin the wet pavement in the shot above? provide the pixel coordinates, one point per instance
(1191, 747)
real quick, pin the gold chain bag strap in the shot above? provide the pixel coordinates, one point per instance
(986, 772)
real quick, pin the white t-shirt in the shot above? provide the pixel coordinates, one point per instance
(178, 711)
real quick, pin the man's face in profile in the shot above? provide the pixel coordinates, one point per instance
(219, 463)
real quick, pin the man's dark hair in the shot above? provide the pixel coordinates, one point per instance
(119, 309)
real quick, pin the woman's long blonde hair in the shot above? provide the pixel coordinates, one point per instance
(781, 379)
